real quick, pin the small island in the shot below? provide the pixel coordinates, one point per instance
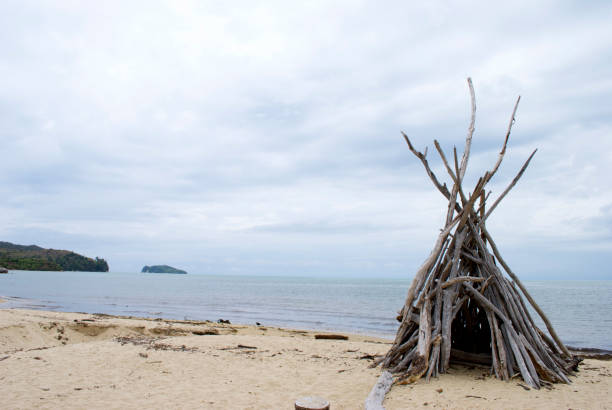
(161, 269)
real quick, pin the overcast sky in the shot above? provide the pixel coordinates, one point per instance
(264, 137)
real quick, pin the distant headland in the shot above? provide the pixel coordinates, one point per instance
(161, 269)
(32, 257)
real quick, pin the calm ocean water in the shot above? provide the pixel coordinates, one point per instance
(366, 306)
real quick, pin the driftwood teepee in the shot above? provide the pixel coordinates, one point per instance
(460, 305)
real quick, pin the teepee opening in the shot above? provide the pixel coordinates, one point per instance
(465, 304)
(470, 332)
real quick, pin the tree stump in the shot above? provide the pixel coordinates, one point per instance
(311, 403)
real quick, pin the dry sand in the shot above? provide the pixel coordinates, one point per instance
(71, 360)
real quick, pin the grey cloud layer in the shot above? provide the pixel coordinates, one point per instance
(264, 138)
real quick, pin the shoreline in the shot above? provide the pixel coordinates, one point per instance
(74, 360)
(320, 307)
(35, 304)
(584, 352)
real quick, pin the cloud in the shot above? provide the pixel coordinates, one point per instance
(264, 138)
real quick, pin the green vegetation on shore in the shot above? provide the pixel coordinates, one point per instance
(32, 257)
(161, 269)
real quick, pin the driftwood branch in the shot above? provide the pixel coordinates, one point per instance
(468, 139)
(422, 156)
(377, 394)
(512, 184)
(502, 152)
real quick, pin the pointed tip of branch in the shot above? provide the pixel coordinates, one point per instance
(407, 139)
(529, 159)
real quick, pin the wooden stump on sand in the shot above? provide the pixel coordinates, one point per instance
(311, 403)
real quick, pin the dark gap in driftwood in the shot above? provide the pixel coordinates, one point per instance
(470, 330)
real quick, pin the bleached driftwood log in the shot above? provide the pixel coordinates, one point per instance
(377, 394)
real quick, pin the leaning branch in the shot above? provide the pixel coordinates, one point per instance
(468, 139)
(503, 150)
(514, 181)
(442, 188)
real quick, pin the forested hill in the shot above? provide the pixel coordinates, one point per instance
(32, 257)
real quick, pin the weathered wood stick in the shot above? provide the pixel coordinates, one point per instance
(460, 279)
(460, 238)
(481, 358)
(486, 284)
(456, 185)
(433, 361)
(436, 338)
(403, 365)
(503, 150)
(424, 329)
(402, 349)
(332, 337)
(376, 397)
(511, 363)
(459, 304)
(482, 213)
(439, 273)
(464, 158)
(472, 258)
(454, 178)
(514, 181)
(448, 314)
(456, 162)
(442, 188)
(481, 206)
(551, 343)
(468, 139)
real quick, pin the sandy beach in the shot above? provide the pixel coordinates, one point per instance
(73, 360)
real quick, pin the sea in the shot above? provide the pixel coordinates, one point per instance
(580, 311)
